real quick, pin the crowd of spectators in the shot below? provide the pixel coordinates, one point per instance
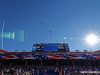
(81, 67)
(26, 68)
(29, 70)
(80, 70)
(49, 68)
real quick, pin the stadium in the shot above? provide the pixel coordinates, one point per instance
(49, 37)
(50, 59)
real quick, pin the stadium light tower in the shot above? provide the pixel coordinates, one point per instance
(92, 39)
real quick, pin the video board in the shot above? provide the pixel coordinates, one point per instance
(50, 47)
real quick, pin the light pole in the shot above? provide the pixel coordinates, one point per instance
(2, 33)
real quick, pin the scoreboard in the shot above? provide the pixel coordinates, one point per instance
(50, 47)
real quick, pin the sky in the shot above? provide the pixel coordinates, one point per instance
(49, 21)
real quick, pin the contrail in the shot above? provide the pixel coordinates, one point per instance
(2, 32)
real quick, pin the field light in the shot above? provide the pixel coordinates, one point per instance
(92, 39)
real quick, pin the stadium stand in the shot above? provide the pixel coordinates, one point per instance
(58, 61)
(48, 67)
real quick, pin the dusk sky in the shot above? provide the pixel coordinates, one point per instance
(67, 21)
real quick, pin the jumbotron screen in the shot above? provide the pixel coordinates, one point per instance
(50, 47)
